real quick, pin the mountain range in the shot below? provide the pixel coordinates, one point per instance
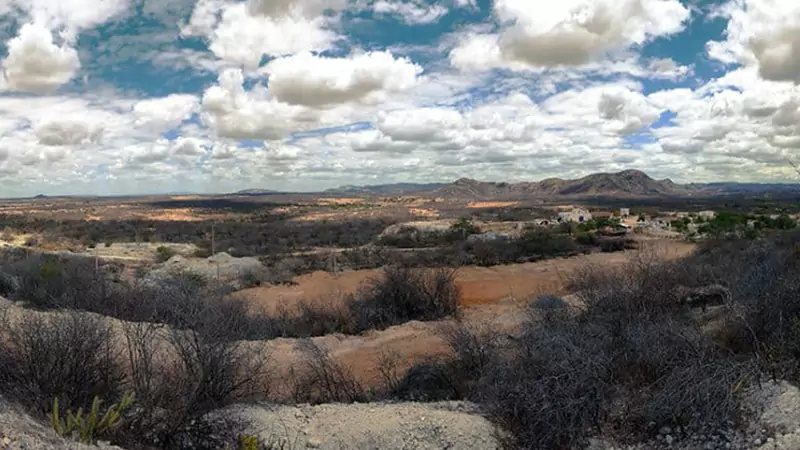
(627, 183)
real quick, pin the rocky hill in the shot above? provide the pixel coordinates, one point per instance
(626, 183)
(386, 189)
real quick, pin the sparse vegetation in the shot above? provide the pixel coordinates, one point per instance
(612, 358)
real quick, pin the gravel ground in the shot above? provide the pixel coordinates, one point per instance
(433, 426)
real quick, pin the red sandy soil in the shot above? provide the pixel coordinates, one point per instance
(492, 296)
(479, 285)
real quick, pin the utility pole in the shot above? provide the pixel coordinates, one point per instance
(213, 252)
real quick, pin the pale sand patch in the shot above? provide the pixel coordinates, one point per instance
(491, 204)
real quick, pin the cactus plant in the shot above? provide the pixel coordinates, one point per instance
(87, 428)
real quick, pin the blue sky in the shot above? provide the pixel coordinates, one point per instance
(146, 96)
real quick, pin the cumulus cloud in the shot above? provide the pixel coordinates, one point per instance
(762, 33)
(580, 95)
(411, 12)
(68, 132)
(420, 125)
(188, 147)
(243, 33)
(35, 63)
(236, 113)
(626, 112)
(567, 33)
(306, 79)
(162, 114)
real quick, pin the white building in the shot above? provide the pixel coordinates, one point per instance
(576, 215)
(708, 214)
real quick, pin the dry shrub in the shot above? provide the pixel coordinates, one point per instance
(67, 355)
(430, 380)
(402, 294)
(321, 379)
(198, 368)
(311, 319)
(765, 290)
(619, 361)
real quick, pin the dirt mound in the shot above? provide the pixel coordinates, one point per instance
(221, 266)
(433, 426)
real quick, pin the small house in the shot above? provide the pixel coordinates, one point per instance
(707, 215)
(576, 215)
(662, 222)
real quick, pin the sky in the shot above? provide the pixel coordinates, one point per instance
(108, 97)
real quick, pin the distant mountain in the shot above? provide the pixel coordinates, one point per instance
(257, 192)
(387, 189)
(625, 183)
(746, 188)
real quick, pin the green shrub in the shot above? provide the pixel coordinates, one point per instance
(90, 427)
(164, 253)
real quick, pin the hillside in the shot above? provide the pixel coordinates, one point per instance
(626, 183)
(257, 192)
(386, 189)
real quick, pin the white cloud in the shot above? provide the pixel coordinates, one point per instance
(188, 147)
(70, 16)
(412, 13)
(331, 111)
(305, 79)
(243, 33)
(427, 125)
(303, 8)
(68, 132)
(235, 113)
(162, 114)
(762, 33)
(35, 63)
(626, 112)
(567, 33)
